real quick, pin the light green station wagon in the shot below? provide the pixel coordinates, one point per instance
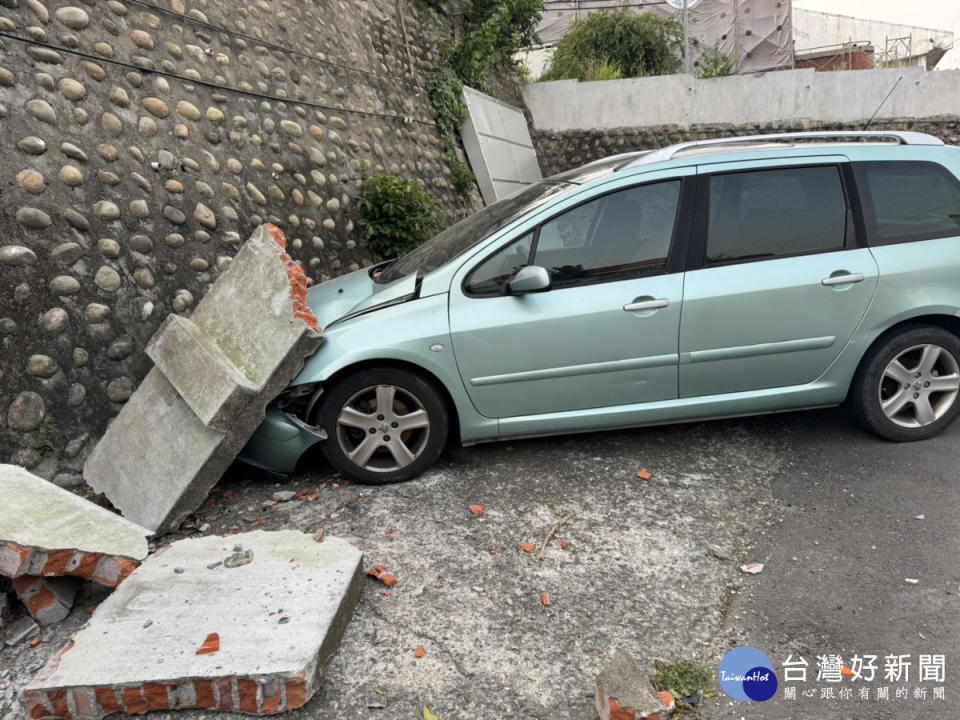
(704, 280)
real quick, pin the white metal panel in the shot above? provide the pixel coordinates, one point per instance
(498, 145)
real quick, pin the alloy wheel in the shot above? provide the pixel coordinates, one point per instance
(919, 386)
(383, 428)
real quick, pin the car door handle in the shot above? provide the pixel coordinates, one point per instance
(647, 305)
(843, 279)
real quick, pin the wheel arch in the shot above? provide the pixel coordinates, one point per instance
(453, 414)
(950, 323)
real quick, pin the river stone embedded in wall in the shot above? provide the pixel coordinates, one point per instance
(26, 412)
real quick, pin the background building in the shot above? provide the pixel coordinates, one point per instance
(764, 34)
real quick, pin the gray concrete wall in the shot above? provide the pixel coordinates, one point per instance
(799, 98)
(143, 141)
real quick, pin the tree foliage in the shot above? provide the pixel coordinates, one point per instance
(493, 31)
(636, 45)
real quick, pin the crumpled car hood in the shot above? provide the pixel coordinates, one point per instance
(354, 293)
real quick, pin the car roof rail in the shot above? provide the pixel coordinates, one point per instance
(897, 136)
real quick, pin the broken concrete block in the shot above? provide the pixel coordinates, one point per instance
(213, 376)
(624, 692)
(255, 638)
(23, 629)
(49, 600)
(48, 531)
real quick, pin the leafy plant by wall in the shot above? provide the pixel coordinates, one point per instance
(638, 45)
(397, 214)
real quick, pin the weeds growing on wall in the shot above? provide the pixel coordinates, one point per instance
(445, 90)
(397, 215)
(714, 62)
(637, 45)
(493, 31)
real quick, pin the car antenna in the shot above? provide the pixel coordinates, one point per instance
(883, 102)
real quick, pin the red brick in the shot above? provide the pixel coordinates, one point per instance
(57, 562)
(272, 697)
(37, 705)
(87, 567)
(205, 697)
(108, 700)
(619, 713)
(247, 690)
(126, 567)
(225, 694)
(58, 701)
(133, 701)
(84, 702)
(296, 692)
(41, 599)
(156, 696)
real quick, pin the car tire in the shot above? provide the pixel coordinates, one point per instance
(908, 385)
(383, 425)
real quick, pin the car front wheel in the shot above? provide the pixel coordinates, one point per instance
(907, 387)
(383, 425)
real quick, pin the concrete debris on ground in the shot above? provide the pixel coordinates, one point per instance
(20, 630)
(186, 631)
(213, 376)
(624, 692)
(752, 568)
(49, 537)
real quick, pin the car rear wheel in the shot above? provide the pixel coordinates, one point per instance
(908, 386)
(383, 425)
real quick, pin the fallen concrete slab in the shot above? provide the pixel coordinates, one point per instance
(213, 376)
(187, 631)
(49, 532)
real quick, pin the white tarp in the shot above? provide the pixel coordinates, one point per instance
(758, 32)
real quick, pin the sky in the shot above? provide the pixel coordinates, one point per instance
(938, 14)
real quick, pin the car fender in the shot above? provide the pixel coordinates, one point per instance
(416, 333)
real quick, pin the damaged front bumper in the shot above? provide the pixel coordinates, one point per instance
(280, 441)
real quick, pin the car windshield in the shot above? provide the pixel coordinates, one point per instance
(462, 236)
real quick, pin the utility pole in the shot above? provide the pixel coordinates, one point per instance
(686, 45)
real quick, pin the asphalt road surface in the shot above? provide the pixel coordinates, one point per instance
(853, 519)
(829, 510)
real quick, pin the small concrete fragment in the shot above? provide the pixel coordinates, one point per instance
(624, 692)
(255, 638)
(23, 629)
(213, 377)
(49, 600)
(48, 531)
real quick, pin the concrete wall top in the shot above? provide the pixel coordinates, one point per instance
(796, 96)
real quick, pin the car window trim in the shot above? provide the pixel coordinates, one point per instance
(853, 236)
(870, 209)
(675, 253)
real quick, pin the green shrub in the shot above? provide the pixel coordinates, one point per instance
(397, 214)
(637, 45)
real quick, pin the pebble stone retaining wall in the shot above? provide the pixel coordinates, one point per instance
(559, 151)
(142, 143)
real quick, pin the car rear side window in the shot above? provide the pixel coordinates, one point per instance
(908, 201)
(765, 214)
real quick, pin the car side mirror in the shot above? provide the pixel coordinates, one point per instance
(531, 278)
